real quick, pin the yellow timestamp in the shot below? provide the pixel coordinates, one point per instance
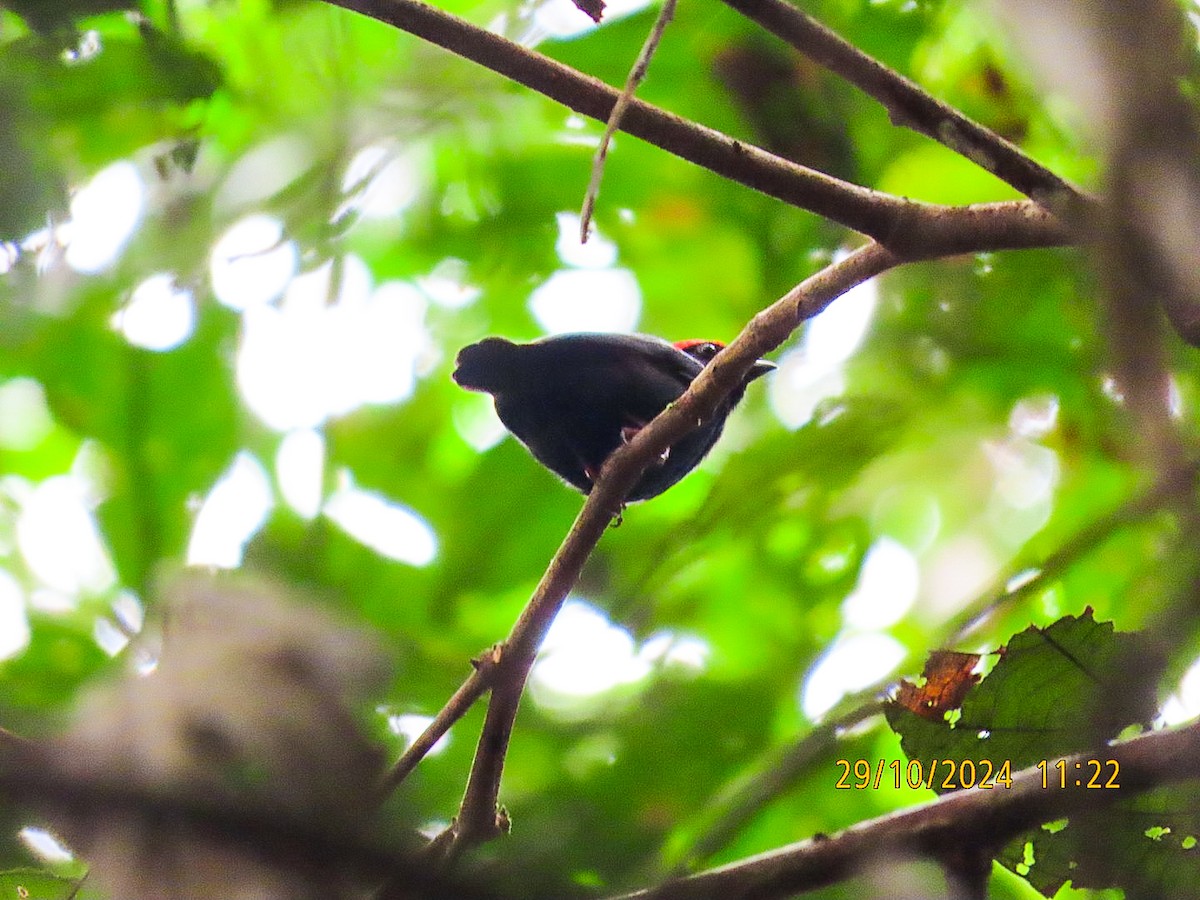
(1084, 773)
(937, 774)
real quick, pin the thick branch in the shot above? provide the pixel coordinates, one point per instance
(969, 818)
(910, 229)
(911, 106)
(33, 777)
(740, 800)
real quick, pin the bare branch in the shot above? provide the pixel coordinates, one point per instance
(636, 76)
(740, 800)
(911, 106)
(455, 708)
(910, 229)
(967, 818)
(479, 817)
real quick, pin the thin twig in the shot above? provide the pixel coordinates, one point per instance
(455, 708)
(636, 76)
(908, 228)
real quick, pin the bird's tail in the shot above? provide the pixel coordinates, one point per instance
(486, 366)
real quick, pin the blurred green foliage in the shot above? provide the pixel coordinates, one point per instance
(932, 440)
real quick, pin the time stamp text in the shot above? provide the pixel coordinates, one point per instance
(955, 774)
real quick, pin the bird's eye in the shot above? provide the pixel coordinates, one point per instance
(707, 350)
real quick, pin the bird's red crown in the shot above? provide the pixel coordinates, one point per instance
(696, 342)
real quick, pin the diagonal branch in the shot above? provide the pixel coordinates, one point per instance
(911, 106)
(479, 818)
(454, 709)
(965, 818)
(740, 800)
(909, 228)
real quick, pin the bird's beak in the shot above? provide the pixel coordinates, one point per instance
(759, 369)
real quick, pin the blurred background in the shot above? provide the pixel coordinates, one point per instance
(241, 242)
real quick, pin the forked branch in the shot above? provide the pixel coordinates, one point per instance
(908, 228)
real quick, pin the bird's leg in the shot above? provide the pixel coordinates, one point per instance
(617, 515)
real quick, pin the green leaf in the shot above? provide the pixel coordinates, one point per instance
(1145, 845)
(1054, 691)
(37, 885)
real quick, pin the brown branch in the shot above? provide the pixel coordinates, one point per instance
(911, 106)
(479, 818)
(34, 777)
(967, 818)
(455, 708)
(910, 229)
(741, 799)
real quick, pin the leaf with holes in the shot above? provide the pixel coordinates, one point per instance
(1056, 691)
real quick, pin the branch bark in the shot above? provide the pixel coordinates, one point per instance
(911, 106)
(738, 802)
(911, 229)
(479, 817)
(968, 818)
(455, 708)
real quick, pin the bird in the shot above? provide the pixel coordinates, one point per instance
(573, 399)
